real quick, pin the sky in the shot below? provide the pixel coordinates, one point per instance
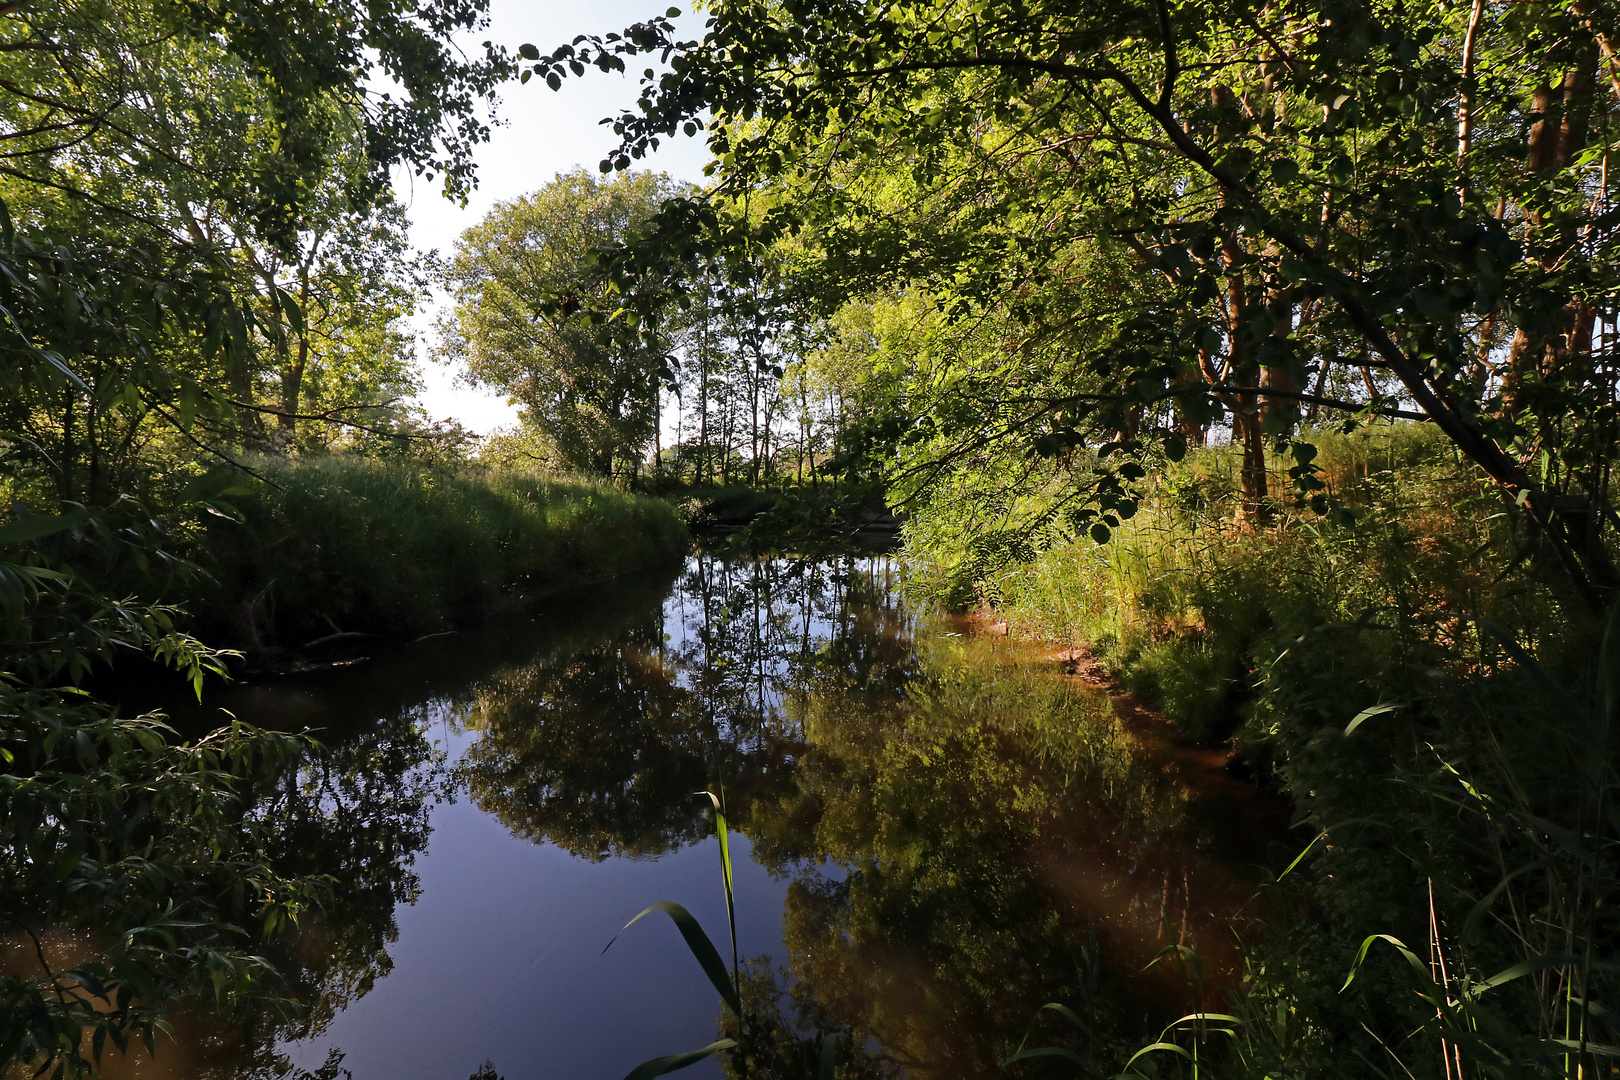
(543, 132)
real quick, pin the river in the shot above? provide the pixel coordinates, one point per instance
(935, 832)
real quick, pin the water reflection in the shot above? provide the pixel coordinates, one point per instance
(963, 833)
(969, 834)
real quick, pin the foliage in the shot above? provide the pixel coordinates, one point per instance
(1184, 606)
(203, 233)
(1194, 205)
(125, 850)
(589, 394)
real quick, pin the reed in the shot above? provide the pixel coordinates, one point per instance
(339, 545)
(729, 984)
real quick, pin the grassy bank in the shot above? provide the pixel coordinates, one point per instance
(1190, 607)
(348, 546)
(1417, 684)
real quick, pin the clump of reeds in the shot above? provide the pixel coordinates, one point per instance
(338, 545)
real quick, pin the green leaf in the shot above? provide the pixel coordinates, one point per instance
(1599, 1049)
(1411, 958)
(829, 1058)
(290, 309)
(707, 956)
(1477, 913)
(1301, 856)
(1368, 713)
(1542, 963)
(32, 528)
(1154, 1047)
(528, 51)
(661, 1065)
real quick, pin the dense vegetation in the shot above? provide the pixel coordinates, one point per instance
(1078, 252)
(343, 547)
(206, 441)
(1267, 353)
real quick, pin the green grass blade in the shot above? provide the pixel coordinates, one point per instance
(1599, 1049)
(1411, 959)
(1310, 847)
(1368, 713)
(1549, 686)
(1560, 836)
(722, 832)
(1477, 914)
(1059, 1052)
(1608, 698)
(1152, 1048)
(1542, 963)
(1068, 1014)
(829, 1058)
(671, 1062)
(708, 957)
(1203, 1017)
(32, 528)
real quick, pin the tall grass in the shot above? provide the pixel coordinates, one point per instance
(1417, 684)
(1187, 605)
(336, 545)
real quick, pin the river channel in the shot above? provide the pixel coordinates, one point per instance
(935, 832)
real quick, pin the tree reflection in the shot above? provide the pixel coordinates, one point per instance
(600, 752)
(955, 813)
(969, 834)
(596, 754)
(357, 812)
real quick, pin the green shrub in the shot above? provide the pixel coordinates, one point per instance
(1457, 818)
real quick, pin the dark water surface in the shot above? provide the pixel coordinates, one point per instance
(939, 833)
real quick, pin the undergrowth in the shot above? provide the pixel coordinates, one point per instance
(1411, 674)
(1187, 604)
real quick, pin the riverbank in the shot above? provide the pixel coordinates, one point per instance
(1410, 674)
(325, 551)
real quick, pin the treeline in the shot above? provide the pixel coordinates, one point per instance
(1095, 238)
(713, 376)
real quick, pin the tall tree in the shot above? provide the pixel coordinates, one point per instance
(519, 275)
(212, 153)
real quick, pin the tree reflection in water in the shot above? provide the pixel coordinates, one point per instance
(969, 834)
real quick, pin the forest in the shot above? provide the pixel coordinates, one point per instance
(1251, 369)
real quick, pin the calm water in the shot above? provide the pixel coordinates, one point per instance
(939, 833)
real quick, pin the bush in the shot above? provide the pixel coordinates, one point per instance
(1458, 816)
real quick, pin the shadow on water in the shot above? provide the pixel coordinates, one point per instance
(961, 832)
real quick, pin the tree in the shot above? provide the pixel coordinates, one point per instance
(516, 278)
(1391, 187)
(233, 163)
(146, 150)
